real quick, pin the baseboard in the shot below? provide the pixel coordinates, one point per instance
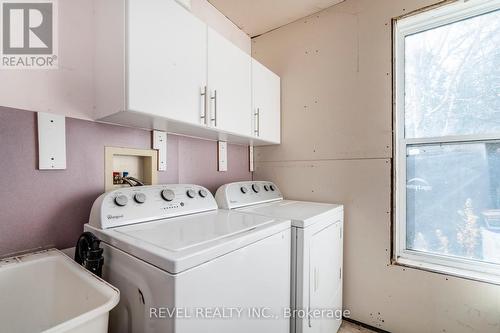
(375, 329)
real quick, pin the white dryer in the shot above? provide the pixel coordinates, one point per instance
(184, 266)
(317, 246)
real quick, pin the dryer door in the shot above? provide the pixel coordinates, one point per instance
(325, 277)
(322, 277)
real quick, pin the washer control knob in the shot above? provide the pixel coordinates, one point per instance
(168, 195)
(121, 200)
(266, 188)
(243, 189)
(191, 193)
(202, 193)
(140, 198)
(271, 187)
(256, 188)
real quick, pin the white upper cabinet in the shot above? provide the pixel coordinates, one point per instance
(266, 95)
(159, 67)
(166, 60)
(229, 81)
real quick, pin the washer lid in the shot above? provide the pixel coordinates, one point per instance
(191, 231)
(302, 213)
(177, 244)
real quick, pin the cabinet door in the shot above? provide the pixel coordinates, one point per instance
(266, 95)
(229, 79)
(166, 60)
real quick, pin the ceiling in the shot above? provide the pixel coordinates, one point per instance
(256, 17)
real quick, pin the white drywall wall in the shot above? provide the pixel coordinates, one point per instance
(335, 69)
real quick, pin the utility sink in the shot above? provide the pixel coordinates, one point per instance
(48, 292)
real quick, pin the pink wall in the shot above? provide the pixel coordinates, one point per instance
(49, 208)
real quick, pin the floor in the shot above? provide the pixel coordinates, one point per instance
(348, 327)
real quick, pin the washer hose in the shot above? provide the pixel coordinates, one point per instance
(88, 253)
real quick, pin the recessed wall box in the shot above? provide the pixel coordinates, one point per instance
(137, 163)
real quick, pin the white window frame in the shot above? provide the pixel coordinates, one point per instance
(403, 27)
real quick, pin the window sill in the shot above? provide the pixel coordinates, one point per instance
(449, 271)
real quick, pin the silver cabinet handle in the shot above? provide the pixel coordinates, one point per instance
(257, 120)
(214, 98)
(203, 116)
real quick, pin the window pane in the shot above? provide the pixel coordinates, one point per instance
(453, 200)
(452, 79)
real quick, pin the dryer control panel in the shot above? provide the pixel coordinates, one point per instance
(147, 203)
(241, 194)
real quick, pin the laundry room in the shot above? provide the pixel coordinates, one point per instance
(185, 166)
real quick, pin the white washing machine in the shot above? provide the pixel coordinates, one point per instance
(317, 246)
(184, 266)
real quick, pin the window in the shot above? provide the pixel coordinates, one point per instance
(447, 140)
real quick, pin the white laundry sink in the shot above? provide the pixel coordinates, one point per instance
(49, 292)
